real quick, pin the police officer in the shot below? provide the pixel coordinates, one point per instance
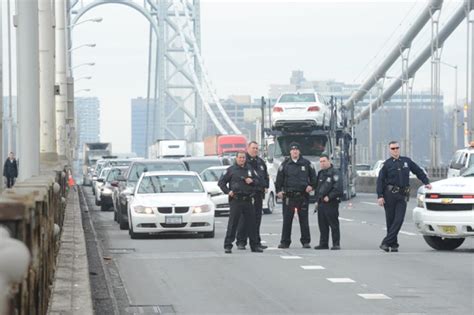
(393, 190)
(328, 193)
(260, 168)
(296, 178)
(241, 184)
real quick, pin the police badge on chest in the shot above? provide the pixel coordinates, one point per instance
(303, 168)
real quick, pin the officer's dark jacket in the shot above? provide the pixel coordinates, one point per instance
(234, 179)
(329, 184)
(258, 165)
(295, 176)
(10, 169)
(396, 172)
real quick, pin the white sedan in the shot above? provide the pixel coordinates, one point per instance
(170, 201)
(445, 213)
(301, 110)
(210, 177)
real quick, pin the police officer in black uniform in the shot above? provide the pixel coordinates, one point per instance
(258, 165)
(296, 178)
(241, 184)
(328, 193)
(393, 191)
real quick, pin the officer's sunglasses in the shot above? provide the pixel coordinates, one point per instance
(395, 148)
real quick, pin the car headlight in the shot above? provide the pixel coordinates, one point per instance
(201, 209)
(143, 210)
(420, 198)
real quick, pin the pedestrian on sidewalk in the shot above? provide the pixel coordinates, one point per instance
(10, 170)
(70, 181)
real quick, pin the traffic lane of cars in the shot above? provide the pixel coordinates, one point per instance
(407, 284)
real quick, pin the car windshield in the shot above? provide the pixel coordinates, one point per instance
(469, 172)
(212, 175)
(200, 165)
(114, 173)
(313, 145)
(170, 184)
(104, 173)
(362, 167)
(139, 168)
(297, 98)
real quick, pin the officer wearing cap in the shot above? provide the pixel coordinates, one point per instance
(393, 191)
(241, 184)
(296, 178)
(259, 167)
(328, 193)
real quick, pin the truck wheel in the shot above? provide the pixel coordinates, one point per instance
(440, 243)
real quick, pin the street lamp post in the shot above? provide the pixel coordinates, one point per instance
(84, 64)
(81, 90)
(96, 20)
(83, 78)
(80, 46)
(455, 115)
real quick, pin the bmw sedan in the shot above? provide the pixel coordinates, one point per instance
(170, 201)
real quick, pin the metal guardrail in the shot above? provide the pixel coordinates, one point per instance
(32, 212)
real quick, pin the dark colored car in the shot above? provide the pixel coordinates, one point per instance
(199, 164)
(126, 184)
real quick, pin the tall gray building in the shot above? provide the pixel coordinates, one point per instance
(139, 116)
(87, 118)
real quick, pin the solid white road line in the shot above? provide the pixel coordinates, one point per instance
(374, 296)
(341, 280)
(290, 257)
(313, 267)
(408, 233)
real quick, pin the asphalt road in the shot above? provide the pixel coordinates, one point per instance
(192, 275)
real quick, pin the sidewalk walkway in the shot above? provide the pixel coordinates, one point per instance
(71, 292)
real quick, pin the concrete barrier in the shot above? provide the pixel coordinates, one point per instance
(31, 213)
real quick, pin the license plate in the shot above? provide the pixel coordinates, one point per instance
(448, 229)
(173, 220)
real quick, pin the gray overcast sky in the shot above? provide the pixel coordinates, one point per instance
(247, 45)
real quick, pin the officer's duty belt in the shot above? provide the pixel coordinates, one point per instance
(399, 190)
(243, 197)
(295, 194)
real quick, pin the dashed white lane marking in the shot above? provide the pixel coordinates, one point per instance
(341, 280)
(408, 233)
(374, 296)
(270, 234)
(217, 222)
(313, 267)
(370, 203)
(263, 242)
(273, 248)
(290, 257)
(344, 219)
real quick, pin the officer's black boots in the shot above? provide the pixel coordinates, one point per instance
(336, 247)
(240, 246)
(283, 246)
(384, 247)
(228, 250)
(306, 245)
(257, 249)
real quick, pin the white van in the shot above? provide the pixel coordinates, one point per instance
(462, 159)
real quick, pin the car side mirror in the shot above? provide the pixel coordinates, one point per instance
(100, 180)
(114, 183)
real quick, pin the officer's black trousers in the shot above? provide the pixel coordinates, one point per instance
(240, 208)
(242, 227)
(395, 208)
(289, 206)
(328, 217)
